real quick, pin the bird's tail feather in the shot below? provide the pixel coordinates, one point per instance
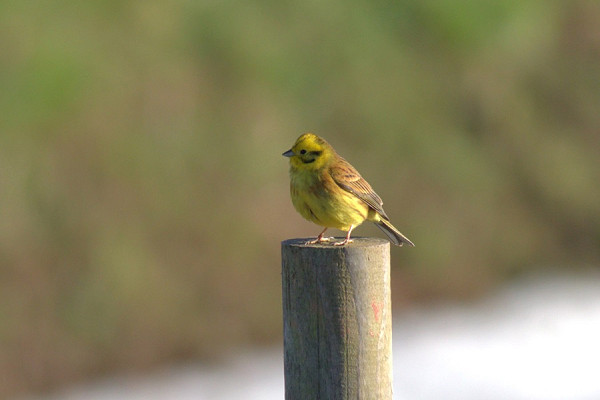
(394, 234)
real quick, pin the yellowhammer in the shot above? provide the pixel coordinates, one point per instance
(328, 191)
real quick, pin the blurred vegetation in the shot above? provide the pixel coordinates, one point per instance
(143, 192)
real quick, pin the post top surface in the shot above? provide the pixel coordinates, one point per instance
(356, 242)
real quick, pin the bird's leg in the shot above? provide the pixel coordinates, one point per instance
(347, 240)
(319, 238)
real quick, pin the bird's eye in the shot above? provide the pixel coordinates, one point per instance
(302, 151)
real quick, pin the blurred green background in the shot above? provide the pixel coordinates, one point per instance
(143, 195)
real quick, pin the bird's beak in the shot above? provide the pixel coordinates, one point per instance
(288, 153)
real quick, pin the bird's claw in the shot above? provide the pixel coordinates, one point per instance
(319, 240)
(343, 242)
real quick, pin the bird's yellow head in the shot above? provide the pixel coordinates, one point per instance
(309, 152)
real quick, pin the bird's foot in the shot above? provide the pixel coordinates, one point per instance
(319, 240)
(347, 239)
(343, 242)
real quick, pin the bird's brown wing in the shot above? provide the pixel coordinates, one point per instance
(348, 178)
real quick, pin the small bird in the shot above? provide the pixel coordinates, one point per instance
(328, 191)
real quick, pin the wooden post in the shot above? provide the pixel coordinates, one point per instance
(337, 322)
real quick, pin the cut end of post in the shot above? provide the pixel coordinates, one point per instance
(356, 242)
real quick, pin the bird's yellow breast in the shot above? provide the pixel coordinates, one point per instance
(319, 199)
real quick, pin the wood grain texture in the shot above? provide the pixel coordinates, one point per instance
(337, 320)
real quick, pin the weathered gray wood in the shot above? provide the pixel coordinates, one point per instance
(337, 322)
